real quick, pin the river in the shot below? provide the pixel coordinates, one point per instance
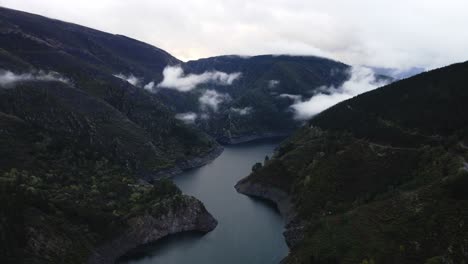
(249, 231)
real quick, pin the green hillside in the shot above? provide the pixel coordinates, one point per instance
(76, 142)
(382, 177)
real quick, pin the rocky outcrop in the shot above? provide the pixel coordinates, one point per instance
(187, 164)
(147, 228)
(294, 227)
(276, 195)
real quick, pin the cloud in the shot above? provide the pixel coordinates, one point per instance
(398, 74)
(242, 111)
(295, 97)
(361, 80)
(9, 79)
(211, 100)
(129, 78)
(187, 118)
(149, 86)
(273, 83)
(174, 78)
(204, 116)
(366, 32)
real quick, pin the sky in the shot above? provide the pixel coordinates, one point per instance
(396, 34)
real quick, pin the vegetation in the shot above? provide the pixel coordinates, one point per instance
(89, 59)
(264, 79)
(380, 178)
(73, 154)
(63, 200)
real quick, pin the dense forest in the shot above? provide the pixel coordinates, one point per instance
(76, 142)
(382, 177)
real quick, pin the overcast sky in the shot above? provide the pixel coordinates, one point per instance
(397, 33)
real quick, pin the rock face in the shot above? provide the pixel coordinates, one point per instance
(293, 233)
(279, 197)
(145, 229)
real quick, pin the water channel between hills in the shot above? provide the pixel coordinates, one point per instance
(249, 231)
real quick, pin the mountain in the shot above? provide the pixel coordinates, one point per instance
(379, 178)
(257, 103)
(77, 144)
(87, 134)
(89, 59)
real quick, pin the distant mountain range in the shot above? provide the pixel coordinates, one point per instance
(256, 104)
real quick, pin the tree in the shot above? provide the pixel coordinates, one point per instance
(257, 166)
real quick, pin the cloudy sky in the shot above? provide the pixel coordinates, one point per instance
(397, 33)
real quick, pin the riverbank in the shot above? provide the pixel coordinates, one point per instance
(197, 162)
(241, 139)
(185, 165)
(144, 229)
(240, 218)
(293, 233)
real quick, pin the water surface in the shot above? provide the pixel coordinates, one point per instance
(249, 231)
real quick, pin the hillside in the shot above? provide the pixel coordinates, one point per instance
(89, 59)
(257, 103)
(379, 178)
(124, 71)
(77, 144)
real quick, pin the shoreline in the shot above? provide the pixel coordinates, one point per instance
(293, 233)
(189, 164)
(250, 138)
(147, 228)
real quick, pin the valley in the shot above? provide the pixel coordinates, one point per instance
(115, 151)
(248, 230)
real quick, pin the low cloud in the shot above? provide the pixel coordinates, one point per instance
(187, 118)
(149, 86)
(204, 116)
(361, 80)
(295, 97)
(174, 78)
(9, 79)
(211, 100)
(273, 83)
(131, 79)
(398, 74)
(242, 111)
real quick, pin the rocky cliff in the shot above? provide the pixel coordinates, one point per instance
(192, 216)
(294, 227)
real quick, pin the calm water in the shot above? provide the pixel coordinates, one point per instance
(249, 231)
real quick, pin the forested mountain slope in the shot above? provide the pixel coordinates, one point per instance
(257, 103)
(380, 178)
(89, 59)
(75, 142)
